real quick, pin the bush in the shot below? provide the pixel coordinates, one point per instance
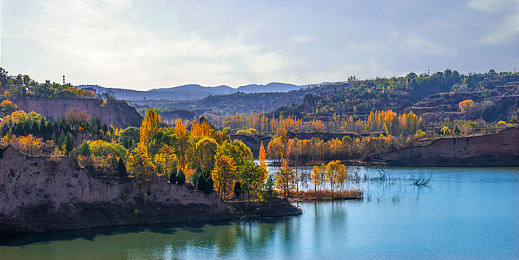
(181, 178)
(121, 168)
(173, 175)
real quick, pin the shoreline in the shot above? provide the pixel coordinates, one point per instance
(237, 211)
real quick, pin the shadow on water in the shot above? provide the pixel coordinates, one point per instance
(91, 234)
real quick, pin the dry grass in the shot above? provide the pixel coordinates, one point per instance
(328, 195)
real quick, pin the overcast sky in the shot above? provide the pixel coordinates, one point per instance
(150, 44)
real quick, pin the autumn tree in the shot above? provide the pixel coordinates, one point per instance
(466, 105)
(182, 142)
(28, 144)
(275, 148)
(206, 149)
(285, 178)
(318, 176)
(7, 106)
(201, 128)
(164, 160)
(237, 150)
(335, 174)
(224, 175)
(263, 157)
(77, 117)
(150, 126)
(140, 165)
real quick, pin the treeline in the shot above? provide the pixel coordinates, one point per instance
(60, 131)
(261, 123)
(23, 85)
(378, 121)
(315, 150)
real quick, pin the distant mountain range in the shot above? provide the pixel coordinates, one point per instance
(192, 91)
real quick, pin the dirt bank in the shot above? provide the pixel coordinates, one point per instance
(40, 196)
(115, 111)
(495, 150)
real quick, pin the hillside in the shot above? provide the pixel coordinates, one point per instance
(494, 105)
(358, 98)
(189, 92)
(241, 102)
(436, 97)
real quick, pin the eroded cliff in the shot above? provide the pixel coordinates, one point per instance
(501, 149)
(115, 111)
(37, 195)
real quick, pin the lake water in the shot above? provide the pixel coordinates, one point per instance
(462, 213)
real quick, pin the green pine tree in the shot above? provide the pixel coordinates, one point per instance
(121, 168)
(69, 143)
(181, 177)
(173, 175)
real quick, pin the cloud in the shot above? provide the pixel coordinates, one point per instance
(491, 5)
(505, 33)
(303, 38)
(151, 44)
(504, 11)
(419, 44)
(102, 38)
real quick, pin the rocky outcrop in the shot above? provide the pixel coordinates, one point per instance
(114, 111)
(501, 149)
(39, 195)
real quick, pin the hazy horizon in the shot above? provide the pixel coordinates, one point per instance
(144, 45)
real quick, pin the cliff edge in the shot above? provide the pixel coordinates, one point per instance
(114, 111)
(501, 149)
(40, 195)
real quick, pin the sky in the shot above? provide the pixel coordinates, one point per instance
(145, 44)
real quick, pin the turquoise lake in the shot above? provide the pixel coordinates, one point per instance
(463, 213)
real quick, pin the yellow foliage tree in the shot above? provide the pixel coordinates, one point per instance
(318, 176)
(140, 165)
(165, 160)
(7, 106)
(29, 144)
(201, 129)
(335, 174)
(206, 150)
(262, 157)
(285, 178)
(224, 175)
(181, 132)
(150, 125)
(275, 148)
(466, 105)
